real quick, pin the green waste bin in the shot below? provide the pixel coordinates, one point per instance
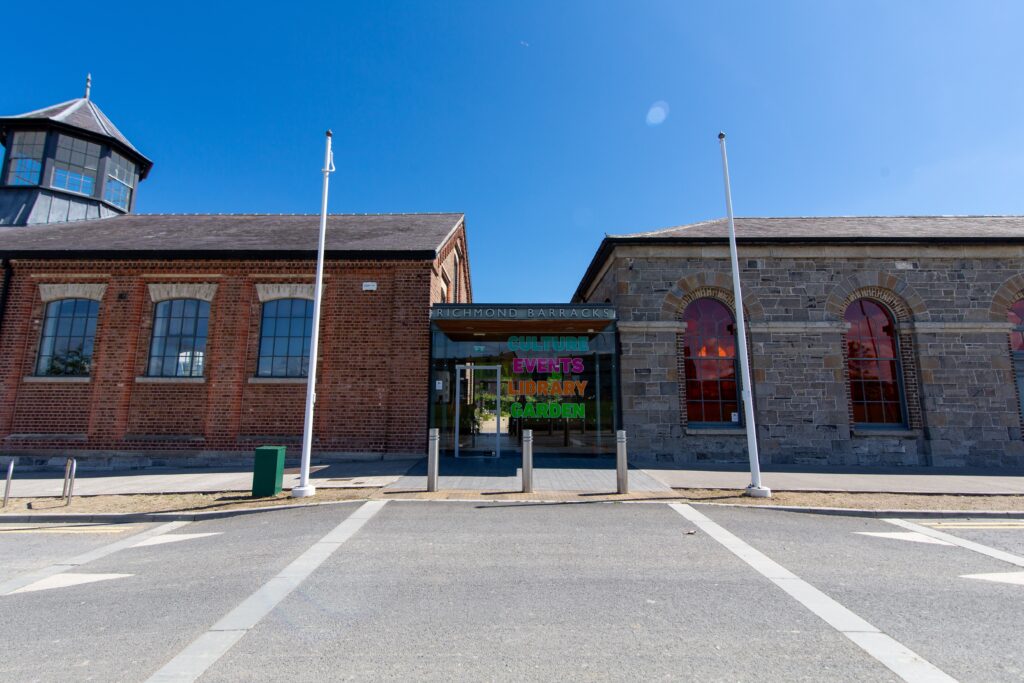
(267, 471)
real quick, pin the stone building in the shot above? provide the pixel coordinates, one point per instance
(874, 340)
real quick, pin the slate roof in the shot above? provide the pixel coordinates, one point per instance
(80, 113)
(266, 236)
(821, 230)
(844, 228)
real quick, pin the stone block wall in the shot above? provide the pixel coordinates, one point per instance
(949, 303)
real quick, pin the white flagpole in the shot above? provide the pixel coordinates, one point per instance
(304, 488)
(755, 489)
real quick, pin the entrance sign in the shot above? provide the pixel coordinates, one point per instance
(597, 312)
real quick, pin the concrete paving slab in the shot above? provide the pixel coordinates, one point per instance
(504, 474)
(359, 474)
(901, 481)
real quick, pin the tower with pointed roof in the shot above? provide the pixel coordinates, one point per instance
(66, 162)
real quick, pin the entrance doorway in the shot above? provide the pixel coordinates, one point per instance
(480, 426)
(497, 371)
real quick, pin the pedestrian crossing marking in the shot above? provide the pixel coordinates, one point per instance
(904, 536)
(977, 524)
(66, 579)
(1001, 577)
(173, 538)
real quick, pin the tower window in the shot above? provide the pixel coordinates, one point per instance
(179, 338)
(68, 335)
(26, 159)
(76, 164)
(284, 338)
(120, 181)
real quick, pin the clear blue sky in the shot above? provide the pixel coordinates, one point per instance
(535, 118)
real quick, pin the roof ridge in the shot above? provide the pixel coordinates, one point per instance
(42, 109)
(99, 116)
(70, 110)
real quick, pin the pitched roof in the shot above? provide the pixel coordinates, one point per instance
(844, 228)
(83, 114)
(365, 236)
(820, 230)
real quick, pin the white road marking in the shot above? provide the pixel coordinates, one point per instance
(67, 579)
(173, 538)
(898, 658)
(17, 582)
(962, 542)
(903, 536)
(204, 651)
(1001, 577)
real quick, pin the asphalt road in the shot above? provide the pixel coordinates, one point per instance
(508, 591)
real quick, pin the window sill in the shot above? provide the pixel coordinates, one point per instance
(715, 431)
(56, 379)
(170, 380)
(277, 380)
(886, 431)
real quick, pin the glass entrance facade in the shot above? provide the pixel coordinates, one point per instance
(499, 369)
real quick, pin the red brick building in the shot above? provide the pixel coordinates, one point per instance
(169, 338)
(140, 282)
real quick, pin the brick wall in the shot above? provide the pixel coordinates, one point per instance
(950, 303)
(373, 375)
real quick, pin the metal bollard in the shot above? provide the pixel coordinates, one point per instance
(621, 464)
(7, 488)
(433, 448)
(67, 478)
(71, 481)
(527, 461)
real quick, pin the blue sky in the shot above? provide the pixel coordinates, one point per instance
(535, 118)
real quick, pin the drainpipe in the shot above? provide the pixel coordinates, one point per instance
(5, 288)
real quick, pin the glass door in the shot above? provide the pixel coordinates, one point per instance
(478, 421)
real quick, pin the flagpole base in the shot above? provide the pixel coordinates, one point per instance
(757, 491)
(303, 491)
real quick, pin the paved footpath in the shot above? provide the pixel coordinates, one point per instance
(550, 474)
(510, 591)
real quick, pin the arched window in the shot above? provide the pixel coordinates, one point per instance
(710, 364)
(178, 348)
(284, 338)
(1016, 318)
(876, 391)
(69, 331)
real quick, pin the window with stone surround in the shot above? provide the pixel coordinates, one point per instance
(1016, 318)
(285, 334)
(873, 357)
(69, 331)
(709, 355)
(178, 348)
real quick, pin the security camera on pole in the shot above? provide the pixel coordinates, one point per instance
(304, 488)
(755, 489)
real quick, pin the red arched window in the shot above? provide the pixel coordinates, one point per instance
(710, 363)
(1016, 318)
(875, 389)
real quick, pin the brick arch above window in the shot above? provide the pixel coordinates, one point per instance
(164, 291)
(269, 291)
(711, 284)
(901, 298)
(1009, 293)
(71, 290)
